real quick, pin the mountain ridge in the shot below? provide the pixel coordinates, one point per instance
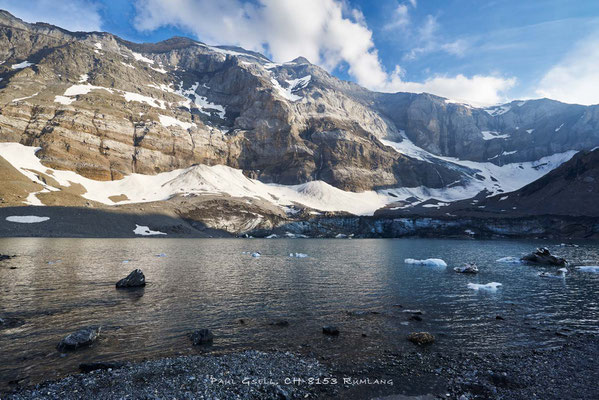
(106, 109)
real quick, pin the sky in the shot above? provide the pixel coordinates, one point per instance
(472, 51)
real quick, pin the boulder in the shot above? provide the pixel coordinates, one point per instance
(330, 330)
(543, 256)
(468, 268)
(82, 338)
(135, 279)
(202, 336)
(421, 338)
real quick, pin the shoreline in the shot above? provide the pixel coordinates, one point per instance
(81, 222)
(564, 371)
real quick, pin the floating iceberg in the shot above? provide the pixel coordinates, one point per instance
(256, 254)
(433, 262)
(561, 273)
(589, 268)
(492, 286)
(510, 260)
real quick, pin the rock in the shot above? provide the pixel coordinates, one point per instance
(5, 257)
(421, 338)
(202, 336)
(468, 268)
(94, 366)
(280, 322)
(135, 279)
(416, 318)
(82, 338)
(543, 256)
(330, 330)
(499, 317)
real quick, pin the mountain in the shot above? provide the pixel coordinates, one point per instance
(92, 120)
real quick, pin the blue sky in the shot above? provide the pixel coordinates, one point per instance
(480, 52)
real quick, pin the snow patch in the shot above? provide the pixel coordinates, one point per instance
(298, 255)
(24, 98)
(141, 58)
(26, 219)
(167, 121)
(22, 65)
(498, 110)
(146, 231)
(64, 100)
(490, 135)
(293, 85)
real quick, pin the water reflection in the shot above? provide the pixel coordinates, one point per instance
(362, 286)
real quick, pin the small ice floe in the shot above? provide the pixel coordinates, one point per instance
(589, 268)
(26, 219)
(340, 236)
(161, 255)
(491, 286)
(126, 261)
(256, 254)
(561, 273)
(146, 231)
(510, 260)
(468, 268)
(273, 236)
(54, 262)
(298, 255)
(433, 262)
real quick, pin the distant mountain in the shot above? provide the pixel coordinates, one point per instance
(117, 123)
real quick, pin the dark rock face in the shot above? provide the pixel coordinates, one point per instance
(330, 330)
(135, 279)
(202, 336)
(82, 338)
(421, 338)
(543, 256)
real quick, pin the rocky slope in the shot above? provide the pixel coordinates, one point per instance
(156, 122)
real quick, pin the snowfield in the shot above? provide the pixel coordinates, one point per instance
(318, 195)
(26, 219)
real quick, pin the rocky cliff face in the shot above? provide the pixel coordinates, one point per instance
(107, 108)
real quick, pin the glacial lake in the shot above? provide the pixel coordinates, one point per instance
(360, 286)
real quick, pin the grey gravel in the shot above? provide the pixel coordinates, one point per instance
(246, 375)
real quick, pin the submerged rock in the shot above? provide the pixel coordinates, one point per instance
(330, 330)
(82, 338)
(543, 256)
(421, 338)
(94, 366)
(468, 268)
(135, 279)
(202, 336)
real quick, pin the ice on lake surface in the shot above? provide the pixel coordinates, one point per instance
(359, 286)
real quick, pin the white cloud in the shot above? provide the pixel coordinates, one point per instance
(575, 78)
(400, 18)
(329, 33)
(477, 90)
(74, 15)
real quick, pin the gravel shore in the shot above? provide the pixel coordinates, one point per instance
(568, 371)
